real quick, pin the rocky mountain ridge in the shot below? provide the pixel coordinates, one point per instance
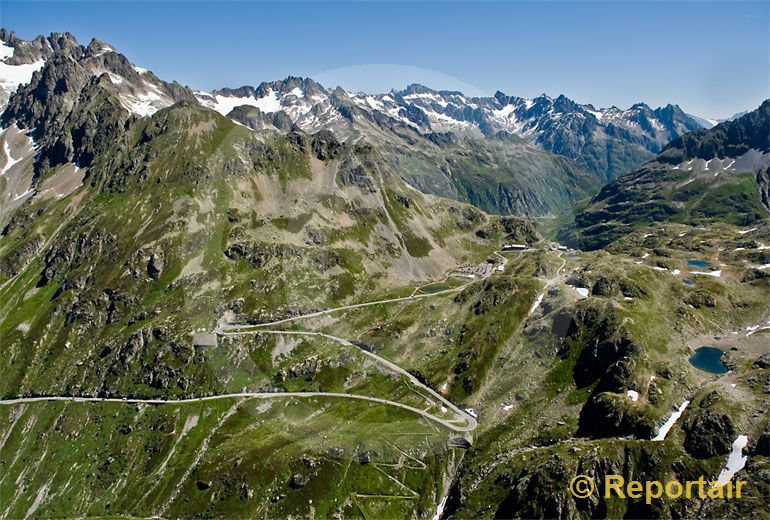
(560, 125)
(56, 119)
(717, 175)
(606, 141)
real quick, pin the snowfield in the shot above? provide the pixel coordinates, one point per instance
(666, 426)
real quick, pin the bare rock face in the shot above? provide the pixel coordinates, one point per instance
(365, 457)
(21, 256)
(537, 493)
(255, 119)
(298, 481)
(42, 47)
(608, 414)
(709, 434)
(763, 361)
(605, 286)
(155, 265)
(79, 103)
(351, 174)
(520, 230)
(700, 299)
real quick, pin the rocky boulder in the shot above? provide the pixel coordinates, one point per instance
(709, 434)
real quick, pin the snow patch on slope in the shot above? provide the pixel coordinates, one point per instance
(145, 103)
(11, 76)
(10, 161)
(5, 52)
(735, 461)
(666, 426)
(225, 104)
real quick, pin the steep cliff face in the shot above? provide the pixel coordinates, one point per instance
(81, 92)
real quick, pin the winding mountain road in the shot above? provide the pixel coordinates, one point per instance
(255, 395)
(465, 422)
(470, 422)
(412, 297)
(343, 308)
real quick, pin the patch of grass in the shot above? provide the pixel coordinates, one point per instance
(292, 224)
(735, 202)
(416, 246)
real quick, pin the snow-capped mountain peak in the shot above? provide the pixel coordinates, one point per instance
(605, 140)
(16, 66)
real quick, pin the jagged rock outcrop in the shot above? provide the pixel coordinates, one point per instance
(710, 432)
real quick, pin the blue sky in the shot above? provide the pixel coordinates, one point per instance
(711, 58)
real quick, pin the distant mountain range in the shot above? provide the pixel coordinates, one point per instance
(505, 154)
(606, 141)
(711, 123)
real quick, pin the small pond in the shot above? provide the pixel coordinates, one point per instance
(688, 282)
(697, 263)
(709, 359)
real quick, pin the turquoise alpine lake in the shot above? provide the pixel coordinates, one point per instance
(709, 359)
(697, 263)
